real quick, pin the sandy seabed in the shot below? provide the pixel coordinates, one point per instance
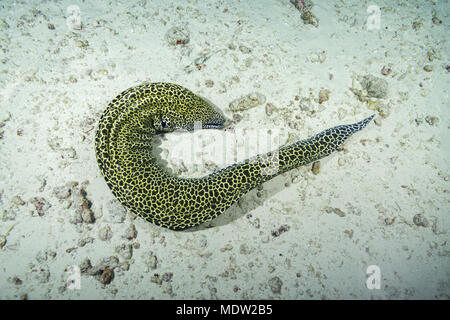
(371, 224)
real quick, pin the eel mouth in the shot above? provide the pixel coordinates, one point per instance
(214, 123)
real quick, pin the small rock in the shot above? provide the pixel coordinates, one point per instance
(317, 57)
(136, 245)
(416, 25)
(385, 71)
(125, 251)
(44, 255)
(103, 272)
(420, 221)
(69, 250)
(130, 232)
(283, 228)
(305, 6)
(85, 241)
(63, 192)
(349, 233)
(302, 4)
(156, 279)
(247, 102)
(82, 44)
(323, 95)
(16, 280)
(178, 35)
(3, 25)
(51, 26)
(17, 200)
(309, 18)
(243, 249)
(227, 247)
(43, 183)
(68, 153)
(83, 206)
(337, 211)
(245, 49)
(389, 221)
(256, 222)
(87, 216)
(105, 233)
(375, 87)
(151, 261)
(41, 205)
(316, 167)
(269, 108)
(42, 273)
(107, 276)
(114, 211)
(167, 276)
(436, 20)
(85, 266)
(203, 242)
(432, 120)
(431, 54)
(275, 284)
(428, 68)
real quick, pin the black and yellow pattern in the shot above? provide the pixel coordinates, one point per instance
(123, 148)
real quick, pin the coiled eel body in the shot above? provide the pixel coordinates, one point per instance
(123, 150)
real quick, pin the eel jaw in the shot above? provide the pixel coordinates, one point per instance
(214, 123)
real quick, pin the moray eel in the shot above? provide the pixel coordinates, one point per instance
(123, 145)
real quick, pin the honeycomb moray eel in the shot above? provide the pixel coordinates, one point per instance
(123, 144)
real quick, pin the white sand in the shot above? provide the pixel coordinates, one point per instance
(358, 211)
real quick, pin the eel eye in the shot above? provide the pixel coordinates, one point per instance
(164, 123)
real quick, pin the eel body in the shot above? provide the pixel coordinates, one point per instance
(123, 144)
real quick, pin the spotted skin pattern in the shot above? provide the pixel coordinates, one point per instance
(123, 145)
